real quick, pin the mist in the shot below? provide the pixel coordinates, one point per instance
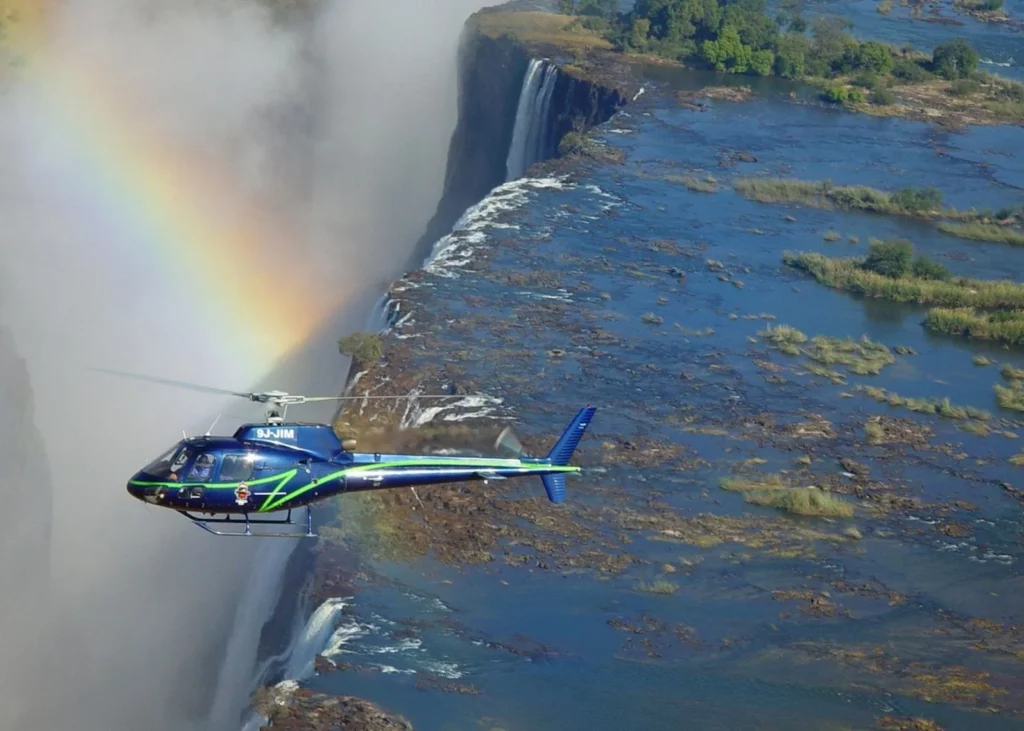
(332, 133)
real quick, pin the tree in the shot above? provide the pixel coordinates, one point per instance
(727, 52)
(954, 59)
(638, 33)
(830, 43)
(873, 56)
(790, 55)
(889, 258)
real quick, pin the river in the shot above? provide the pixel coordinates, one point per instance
(612, 283)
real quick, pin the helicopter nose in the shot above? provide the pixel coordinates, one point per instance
(136, 490)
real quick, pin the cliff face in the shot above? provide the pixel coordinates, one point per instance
(494, 73)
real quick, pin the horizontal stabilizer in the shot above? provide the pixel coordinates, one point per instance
(554, 486)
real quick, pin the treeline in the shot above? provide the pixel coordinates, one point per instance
(739, 36)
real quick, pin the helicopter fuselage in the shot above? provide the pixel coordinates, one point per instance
(268, 468)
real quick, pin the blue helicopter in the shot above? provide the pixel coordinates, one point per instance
(281, 465)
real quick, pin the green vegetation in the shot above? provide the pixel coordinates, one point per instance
(984, 232)
(659, 586)
(708, 185)
(863, 357)
(988, 310)
(850, 274)
(918, 202)
(940, 407)
(874, 432)
(784, 337)
(1006, 326)
(772, 492)
(739, 37)
(1010, 397)
(1010, 373)
(363, 348)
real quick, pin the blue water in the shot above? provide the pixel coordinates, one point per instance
(594, 250)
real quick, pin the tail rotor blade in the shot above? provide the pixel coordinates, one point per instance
(507, 441)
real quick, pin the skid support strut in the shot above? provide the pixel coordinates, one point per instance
(249, 522)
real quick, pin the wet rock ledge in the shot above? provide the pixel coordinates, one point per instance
(289, 708)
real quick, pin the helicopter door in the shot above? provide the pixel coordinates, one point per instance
(201, 472)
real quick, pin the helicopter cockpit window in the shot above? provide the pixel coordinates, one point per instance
(237, 468)
(202, 470)
(169, 465)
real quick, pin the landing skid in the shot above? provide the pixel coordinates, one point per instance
(249, 522)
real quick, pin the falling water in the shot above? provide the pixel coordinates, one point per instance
(529, 136)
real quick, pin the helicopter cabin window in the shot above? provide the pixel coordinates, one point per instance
(236, 468)
(202, 470)
(169, 465)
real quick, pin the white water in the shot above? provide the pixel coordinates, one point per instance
(530, 133)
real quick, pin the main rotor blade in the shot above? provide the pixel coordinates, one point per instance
(169, 382)
(360, 398)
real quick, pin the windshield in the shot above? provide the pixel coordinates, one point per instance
(169, 464)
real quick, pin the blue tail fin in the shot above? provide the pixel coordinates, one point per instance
(561, 453)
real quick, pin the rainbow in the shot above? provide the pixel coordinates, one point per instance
(163, 199)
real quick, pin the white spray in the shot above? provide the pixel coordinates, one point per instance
(144, 604)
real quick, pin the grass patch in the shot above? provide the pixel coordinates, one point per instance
(939, 407)
(1010, 373)
(362, 347)
(1005, 326)
(659, 586)
(863, 357)
(874, 432)
(832, 236)
(925, 202)
(1017, 460)
(784, 337)
(977, 428)
(982, 360)
(984, 232)
(565, 31)
(848, 274)
(771, 491)
(1010, 397)
(708, 185)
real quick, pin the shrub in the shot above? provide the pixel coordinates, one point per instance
(954, 59)
(910, 71)
(964, 87)
(918, 199)
(882, 97)
(889, 258)
(363, 348)
(926, 268)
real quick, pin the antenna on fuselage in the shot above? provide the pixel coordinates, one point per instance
(213, 424)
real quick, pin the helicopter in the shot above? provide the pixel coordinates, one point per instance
(280, 466)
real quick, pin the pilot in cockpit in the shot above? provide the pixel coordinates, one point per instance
(202, 469)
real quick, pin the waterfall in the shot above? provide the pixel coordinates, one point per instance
(530, 134)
